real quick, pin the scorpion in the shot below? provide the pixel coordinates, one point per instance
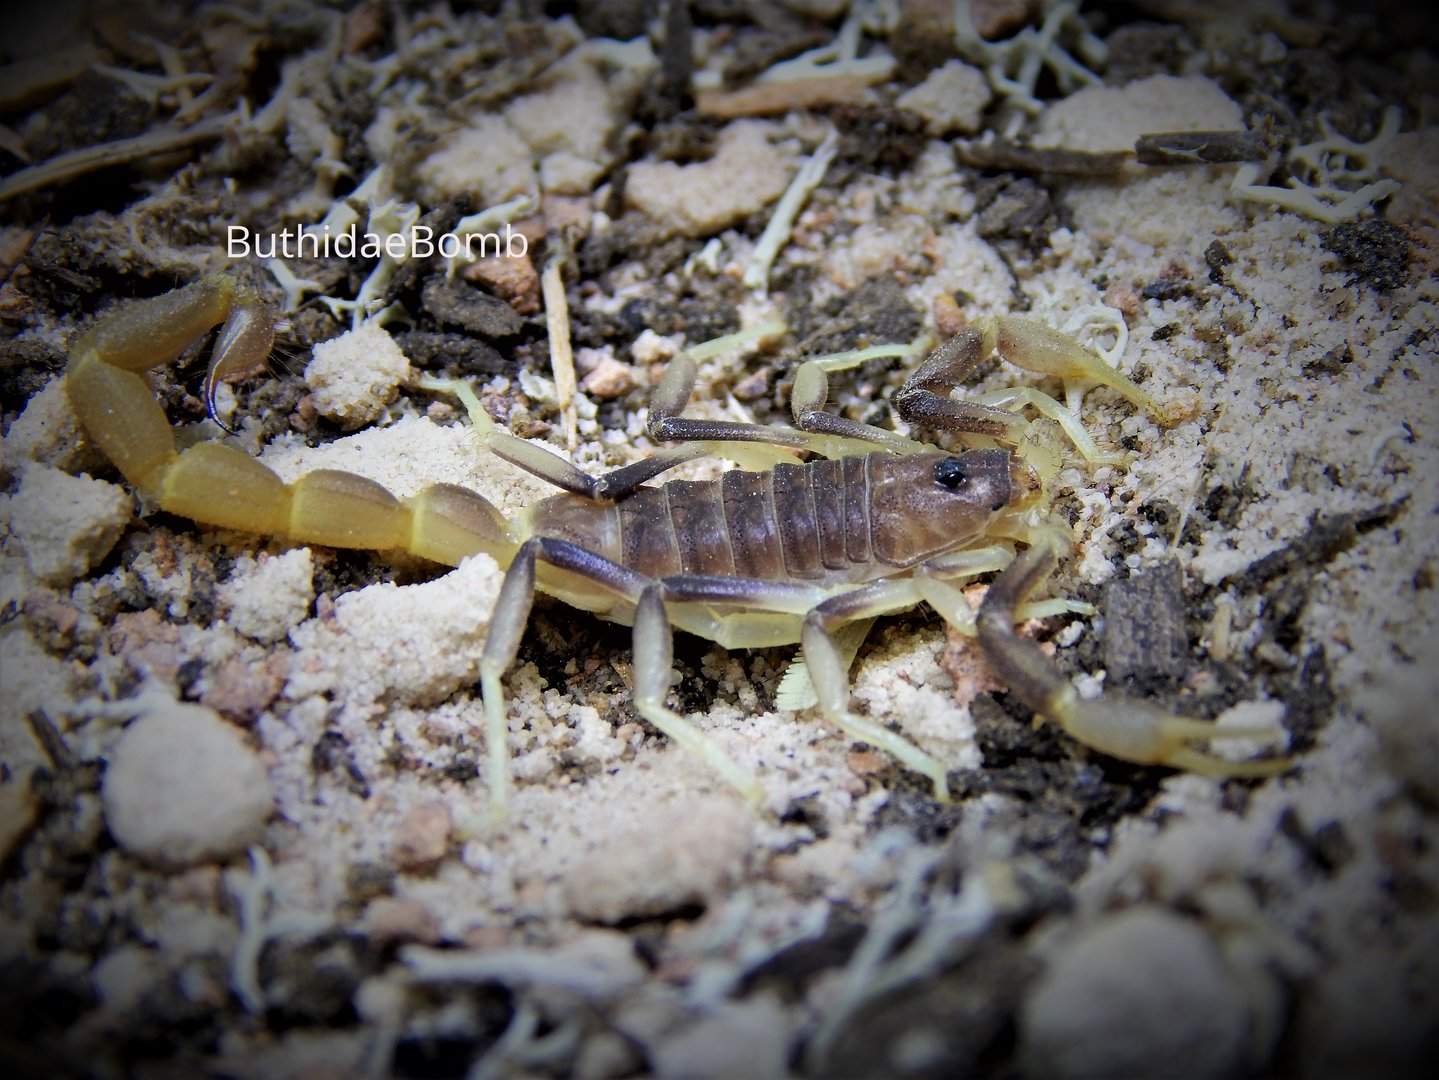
(806, 553)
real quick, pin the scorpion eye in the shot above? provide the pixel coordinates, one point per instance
(950, 472)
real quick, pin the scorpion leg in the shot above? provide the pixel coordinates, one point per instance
(1020, 396)
(1123, 727)
(828, 649)
(653, 656)
(695, 598)
(654, 672)
(796, 689)
(826, 435)
(830, 675)
(615, 484)
(807, 401)
(936, 588)
(924, 397)
(818, 432)
(549, 466)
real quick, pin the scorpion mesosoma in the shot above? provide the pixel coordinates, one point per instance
(800, 553)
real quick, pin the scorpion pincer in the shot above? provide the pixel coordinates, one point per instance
(799, 553)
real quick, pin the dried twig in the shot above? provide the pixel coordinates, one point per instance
(66, 167)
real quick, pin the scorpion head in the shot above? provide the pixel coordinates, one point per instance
(921, 505)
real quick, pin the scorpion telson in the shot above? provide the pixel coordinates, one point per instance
(811, 553)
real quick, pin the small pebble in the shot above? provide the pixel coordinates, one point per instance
(1122, 298)
(651, 348)
(354, 376)
(948, 318)
(65, 524)
(182, 787)
(423, 837)
(610, 379)
(753, 386)
(455, 303)
(266, 598)
(747, 1038)
(47, 431)
(1142, 993)
(512, 278)
(744, 175)
(122, 978)
(952, 99)
(241, 690)
(678, 855)
(995, 19)
(390, 921)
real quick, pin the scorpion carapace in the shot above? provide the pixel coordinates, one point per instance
(798, 553)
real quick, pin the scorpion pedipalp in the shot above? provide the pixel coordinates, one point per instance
(1115, 724)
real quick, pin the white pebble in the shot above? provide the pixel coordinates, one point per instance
(410, 644)
(951, 99)
(65, 524)
(355, 375)
(1100, 118)
(265, 599)
(1143, 993)
(678, 854)
(48, 431)
(747, 1038)
(1251, 714)
(122, 978)
(182, 787)
(745, 174)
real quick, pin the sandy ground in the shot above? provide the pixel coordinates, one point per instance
(244, 808)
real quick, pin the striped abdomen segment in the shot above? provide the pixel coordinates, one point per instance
(797, 521)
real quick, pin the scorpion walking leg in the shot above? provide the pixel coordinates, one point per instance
(924, 397)
(796, 689)
(830, 675)
(1046, 406)
(502, 643)
(654, 671)
(1036, 346)
(823, 434)
(935, 586)
(762, 606)
(818, 432)
(653, 655)
(827, 661)
(1123, 727)
(549, 466)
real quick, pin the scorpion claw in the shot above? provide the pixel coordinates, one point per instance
(1141, 733)
(1039, 347)
(1120, 726)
